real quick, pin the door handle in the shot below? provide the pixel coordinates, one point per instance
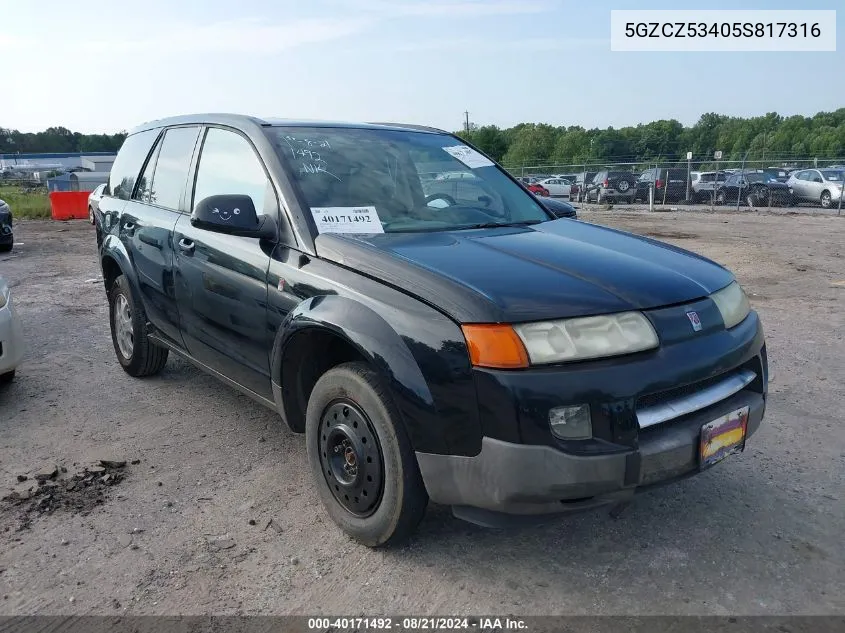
(186, 245)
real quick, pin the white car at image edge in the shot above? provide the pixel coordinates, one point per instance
(11, 335)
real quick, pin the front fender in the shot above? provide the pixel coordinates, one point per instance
(378, 342)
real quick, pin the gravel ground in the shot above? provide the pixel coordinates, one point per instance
(185, 529)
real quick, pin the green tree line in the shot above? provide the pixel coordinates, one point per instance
(771, 135)
(57, 139)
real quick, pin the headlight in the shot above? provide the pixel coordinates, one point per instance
(732, 303)
(588, 337)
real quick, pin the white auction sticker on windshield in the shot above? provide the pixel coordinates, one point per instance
(468, 156)
(346, 220)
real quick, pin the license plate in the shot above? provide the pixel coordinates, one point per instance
(723, 437)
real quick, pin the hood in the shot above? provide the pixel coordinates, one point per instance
(556, 269)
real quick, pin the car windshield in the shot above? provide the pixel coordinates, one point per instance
(831, 174)
(365, 180)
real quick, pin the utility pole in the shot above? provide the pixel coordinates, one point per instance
(466, 121)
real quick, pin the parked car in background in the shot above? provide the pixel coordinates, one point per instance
(556, 187)
(670, 184)
(822, 186)
(703, 184)
(755, 189)
(612, 186)
(94, 203)
(480, 354)
(582, 182)
(560, 208)
(11, 335)
(538, 190)
(7, 237)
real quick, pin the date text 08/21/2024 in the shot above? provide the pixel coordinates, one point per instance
(419, 623)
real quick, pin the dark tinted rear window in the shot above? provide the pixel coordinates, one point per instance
(128, 163)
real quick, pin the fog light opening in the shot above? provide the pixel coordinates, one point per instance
(571, 422)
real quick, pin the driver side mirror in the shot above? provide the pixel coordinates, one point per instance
(233, 214)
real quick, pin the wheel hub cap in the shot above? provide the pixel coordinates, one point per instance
(123, 326)
(351, 459)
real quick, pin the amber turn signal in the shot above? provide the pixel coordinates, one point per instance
(495, 345)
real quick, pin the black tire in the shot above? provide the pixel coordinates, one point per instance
(402, 498)
(826, 200)
(8, 377)
(5, 248)
(145, 358)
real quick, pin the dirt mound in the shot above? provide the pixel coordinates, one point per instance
(51, 489)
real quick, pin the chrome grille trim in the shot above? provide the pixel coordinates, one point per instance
(665, 411)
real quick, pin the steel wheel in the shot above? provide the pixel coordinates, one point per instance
(351, 458)
(123, 326)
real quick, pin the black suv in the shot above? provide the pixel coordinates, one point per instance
(670, 184)
(612, 186)
(464, 347)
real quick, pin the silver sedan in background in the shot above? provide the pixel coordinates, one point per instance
(94, 203)
(11, 335)
(822, 186)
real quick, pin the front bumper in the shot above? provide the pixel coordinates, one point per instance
(523, 470)
(528, 480)
(11, 338)
(6, 235)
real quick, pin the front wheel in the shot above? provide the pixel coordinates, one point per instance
(8, 377)
(826, 200)
(136, 354)
(720, 197)
(361, 459)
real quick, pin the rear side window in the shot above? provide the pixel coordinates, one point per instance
(229, 165)
(128, 163)
(144, 190)
(172, 166)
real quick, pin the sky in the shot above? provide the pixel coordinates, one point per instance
(103, 66)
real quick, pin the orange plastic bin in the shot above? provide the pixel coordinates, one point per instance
(69, 205)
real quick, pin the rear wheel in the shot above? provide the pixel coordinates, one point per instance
(361, 459)
(136, 354)
(8, 377)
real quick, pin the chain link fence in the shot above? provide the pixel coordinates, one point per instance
(759, 181)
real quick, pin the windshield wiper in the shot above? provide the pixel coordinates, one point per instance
(493, 225)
